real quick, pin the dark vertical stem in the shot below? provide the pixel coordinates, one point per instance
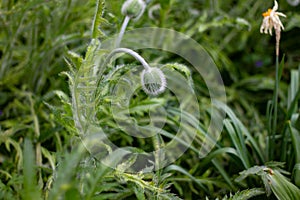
(275, 104)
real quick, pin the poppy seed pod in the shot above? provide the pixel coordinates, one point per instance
(133, 8)
(153, 81)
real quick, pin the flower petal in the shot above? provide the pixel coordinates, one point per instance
(275, 5)
(280, 14)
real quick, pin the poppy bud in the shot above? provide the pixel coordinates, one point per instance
(153, 81)
(133, 8)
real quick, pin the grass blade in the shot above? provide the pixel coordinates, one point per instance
(31, 190)
(296, 145)
(183, 171)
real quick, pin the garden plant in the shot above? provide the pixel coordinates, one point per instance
(149, 99)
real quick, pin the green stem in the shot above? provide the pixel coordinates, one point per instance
(159, 159)
(157, 147)
(274, 117)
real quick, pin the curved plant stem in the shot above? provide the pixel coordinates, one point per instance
(130, 52)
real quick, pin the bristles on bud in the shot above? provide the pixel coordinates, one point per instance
(153, 81)
(133, 8)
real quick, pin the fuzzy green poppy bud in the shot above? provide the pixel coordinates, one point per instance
(153, 81)
(133, 8)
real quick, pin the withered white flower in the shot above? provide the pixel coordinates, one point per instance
(271, 19)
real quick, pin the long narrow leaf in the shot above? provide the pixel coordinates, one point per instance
(296, 145)
(242, 130)
(31, 190)
(183, 171)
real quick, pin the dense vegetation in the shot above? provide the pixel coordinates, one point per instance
(65, 97)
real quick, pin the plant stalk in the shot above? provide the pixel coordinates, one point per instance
(275, 104)
(130, 52)
(122, 31)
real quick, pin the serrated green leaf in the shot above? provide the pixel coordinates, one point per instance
(247, 194)
(98, 20)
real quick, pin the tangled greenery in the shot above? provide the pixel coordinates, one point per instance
(56, 88)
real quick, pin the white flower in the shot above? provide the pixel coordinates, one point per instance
(271, 19)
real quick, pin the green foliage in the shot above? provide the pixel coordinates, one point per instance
(273, 180)
(31, 190)
(46, 124)
(245, 194)
(98, 19)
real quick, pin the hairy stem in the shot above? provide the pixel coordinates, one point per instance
(122, 31)
(130, 52)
